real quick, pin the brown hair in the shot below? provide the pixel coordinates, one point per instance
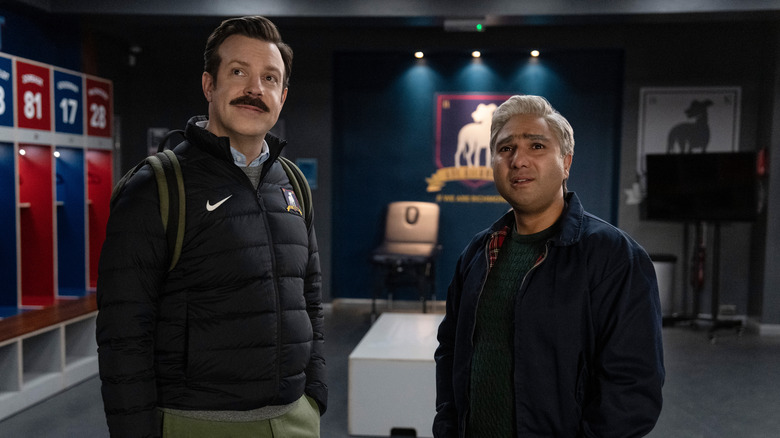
(253, 27)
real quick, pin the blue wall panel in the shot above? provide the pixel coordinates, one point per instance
(71, 223)
(8, 266)
(45, 38)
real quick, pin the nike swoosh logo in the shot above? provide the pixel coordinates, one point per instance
(211, 207)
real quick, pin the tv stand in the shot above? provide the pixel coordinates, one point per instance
(697, 271)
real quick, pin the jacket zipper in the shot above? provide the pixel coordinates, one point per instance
(481, 289)
(539, 261)
(278, 365)
(473, 329)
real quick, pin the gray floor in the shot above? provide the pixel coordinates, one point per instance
(727, 389)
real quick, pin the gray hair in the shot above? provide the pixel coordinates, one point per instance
(535, 105)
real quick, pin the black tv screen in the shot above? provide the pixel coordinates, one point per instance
(702, 187)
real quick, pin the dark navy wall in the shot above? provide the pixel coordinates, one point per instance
(384, 136)
(41, 37)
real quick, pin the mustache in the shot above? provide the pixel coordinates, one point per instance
(248, 100)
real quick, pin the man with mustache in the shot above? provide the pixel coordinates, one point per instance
(553, 320)
(229, 342)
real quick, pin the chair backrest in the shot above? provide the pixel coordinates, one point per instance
(412, 222)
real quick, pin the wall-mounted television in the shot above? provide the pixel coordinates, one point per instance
(702, 187)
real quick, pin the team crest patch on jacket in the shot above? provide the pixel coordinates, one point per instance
(292, 201)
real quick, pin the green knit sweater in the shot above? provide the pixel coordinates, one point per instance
(492, 401)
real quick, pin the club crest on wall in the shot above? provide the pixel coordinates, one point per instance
(462, 150)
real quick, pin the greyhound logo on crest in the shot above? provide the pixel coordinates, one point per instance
(463, 139)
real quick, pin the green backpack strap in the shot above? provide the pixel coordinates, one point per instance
(301, 188)
(170, 188)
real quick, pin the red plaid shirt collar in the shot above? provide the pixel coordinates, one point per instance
(494, 245)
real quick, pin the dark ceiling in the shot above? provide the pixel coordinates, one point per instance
(494, 12)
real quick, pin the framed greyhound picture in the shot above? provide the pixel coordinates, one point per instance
(687, 120)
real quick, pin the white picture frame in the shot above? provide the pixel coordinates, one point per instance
(671, 120)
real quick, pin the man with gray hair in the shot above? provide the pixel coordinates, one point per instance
(553, 321)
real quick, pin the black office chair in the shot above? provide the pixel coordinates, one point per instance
(409, 250)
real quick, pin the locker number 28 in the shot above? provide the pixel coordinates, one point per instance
(98, 118)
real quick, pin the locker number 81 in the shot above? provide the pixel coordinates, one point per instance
(32, 105)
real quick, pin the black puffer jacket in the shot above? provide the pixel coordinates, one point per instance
(237, 325)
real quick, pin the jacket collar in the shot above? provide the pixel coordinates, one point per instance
(571, 226)
(573, 216)
(220, 146)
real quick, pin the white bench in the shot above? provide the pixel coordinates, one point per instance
(392, 376)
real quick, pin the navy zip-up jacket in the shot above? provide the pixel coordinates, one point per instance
(588, 358)
(237, 324)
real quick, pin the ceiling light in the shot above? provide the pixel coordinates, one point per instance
(535, 53)
(419, 55)
(476, 54)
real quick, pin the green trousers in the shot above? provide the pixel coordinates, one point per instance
(302, 421)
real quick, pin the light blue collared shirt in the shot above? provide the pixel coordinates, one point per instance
(240, 159)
